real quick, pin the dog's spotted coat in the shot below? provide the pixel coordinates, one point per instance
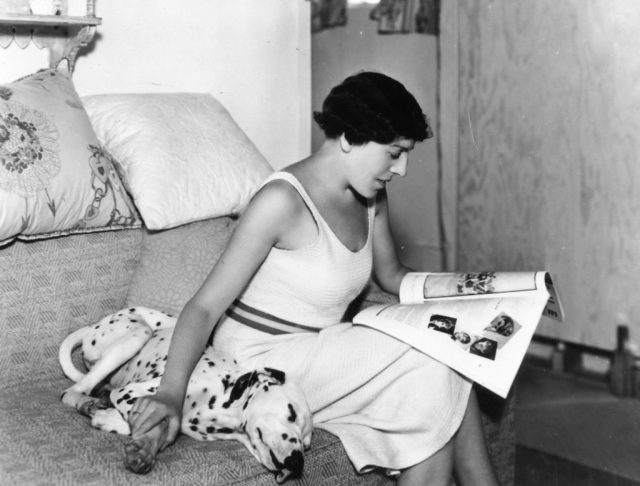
(223, 400)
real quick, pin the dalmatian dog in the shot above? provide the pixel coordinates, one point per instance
(125, 354)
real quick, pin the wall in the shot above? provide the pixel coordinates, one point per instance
(549, 118)
(253, 56)
(412, 59)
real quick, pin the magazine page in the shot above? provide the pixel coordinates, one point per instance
(418, 287)
(483, 339)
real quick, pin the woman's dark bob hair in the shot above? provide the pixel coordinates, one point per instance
(372, 107)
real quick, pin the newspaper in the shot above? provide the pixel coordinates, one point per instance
(479, 324)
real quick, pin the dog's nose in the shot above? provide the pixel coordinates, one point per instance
(295, 463)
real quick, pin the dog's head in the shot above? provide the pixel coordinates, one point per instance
(278, 423)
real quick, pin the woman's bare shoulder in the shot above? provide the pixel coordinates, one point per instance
(277, 203)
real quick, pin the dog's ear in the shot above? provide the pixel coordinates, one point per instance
(240, 386)
(276, 374)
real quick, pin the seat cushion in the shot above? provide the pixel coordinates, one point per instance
(46, 442)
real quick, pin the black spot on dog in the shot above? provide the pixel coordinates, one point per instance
(139, 362)
(226, 382)
(93, 343)
(193, 428)
(240, 387)
(259, 433)
(292, 414)
(133, 320)
(276, 374)
(133, 309)
(225, 430)
(293, 440)
(158, 324)
(284, 436)
(194, 421)
(212, 401)
(211, 429)
(193, 405)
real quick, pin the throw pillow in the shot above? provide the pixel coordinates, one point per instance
(183, 157)
(55, 178)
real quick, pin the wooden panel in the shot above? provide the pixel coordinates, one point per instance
(549, 119)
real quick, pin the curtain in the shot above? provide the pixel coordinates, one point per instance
(328, 13)
(393, 16)
(406, 16)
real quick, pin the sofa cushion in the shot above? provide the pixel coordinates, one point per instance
(174, 263)
(49, 288)
(183, 156)
(55, 178)
(46, 442)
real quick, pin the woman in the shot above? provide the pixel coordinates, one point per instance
(303, 250)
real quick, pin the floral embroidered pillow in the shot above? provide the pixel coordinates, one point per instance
(55, 178)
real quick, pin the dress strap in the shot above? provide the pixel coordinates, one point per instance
(293, 180)
(320, 221)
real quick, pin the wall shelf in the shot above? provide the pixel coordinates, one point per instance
(47, 20)
(63, 35)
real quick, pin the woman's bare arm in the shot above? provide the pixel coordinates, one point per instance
(387, 267)
(268, 217)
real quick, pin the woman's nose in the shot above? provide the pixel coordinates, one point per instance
(399, 167)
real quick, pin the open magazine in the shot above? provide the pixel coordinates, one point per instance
(479, 324)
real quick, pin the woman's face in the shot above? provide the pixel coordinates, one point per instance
(372, 165)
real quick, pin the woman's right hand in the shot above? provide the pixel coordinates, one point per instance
(149, 412)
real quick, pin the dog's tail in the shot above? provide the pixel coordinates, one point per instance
(71, 342)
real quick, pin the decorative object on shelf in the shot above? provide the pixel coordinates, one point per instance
(76, 8)
(44, 7)
(64, 35)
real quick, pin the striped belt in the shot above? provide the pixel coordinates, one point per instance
(262, 321)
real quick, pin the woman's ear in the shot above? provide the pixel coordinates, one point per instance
(345, 145)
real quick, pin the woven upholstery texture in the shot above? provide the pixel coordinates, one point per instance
(45, 443)
(174, 263)
(49, 288)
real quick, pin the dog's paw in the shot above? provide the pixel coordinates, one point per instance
(71, 397)
(110, 420)
(138, 459)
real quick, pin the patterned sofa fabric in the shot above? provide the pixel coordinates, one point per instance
(51, 287)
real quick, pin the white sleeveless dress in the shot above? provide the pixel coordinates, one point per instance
(391, 406)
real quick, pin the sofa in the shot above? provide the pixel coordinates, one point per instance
(150, 249)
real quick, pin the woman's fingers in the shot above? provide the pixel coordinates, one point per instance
(145, 415)
(173, 428)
